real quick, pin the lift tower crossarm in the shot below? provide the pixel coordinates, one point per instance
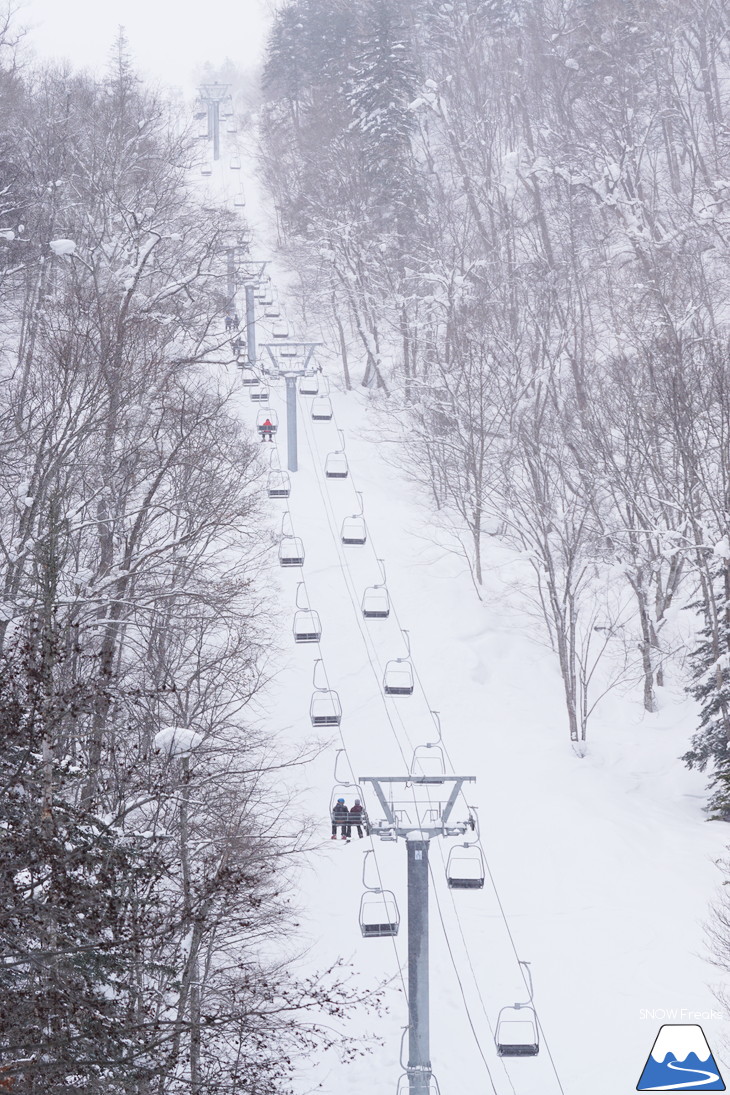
(307, 347)
(432, 830)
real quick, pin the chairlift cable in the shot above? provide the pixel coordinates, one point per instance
(478, 843)
(460, 983)
(348, 579)
(318, 644)
(347, 576)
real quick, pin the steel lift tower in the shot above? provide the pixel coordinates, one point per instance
(418, 821)
(280, 364)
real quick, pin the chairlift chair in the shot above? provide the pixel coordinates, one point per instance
(235, 163)
(325, 708)
(516, 1034)
(280, 329)
(272, 310)
(428, 1084)
(307, 626)
(375, 599)
(278, 484)
(379, 914)
(267, 415)
(309, 385)
(259, 394)
(232, 127)
(289, 351)
(321, 408)
(428, 760)
(376, 603)
(206, 169)
(398, 678)
(249, 376)
(354, 530)
(465, 868)
(239, 201)
(335, 466)
(291, 551)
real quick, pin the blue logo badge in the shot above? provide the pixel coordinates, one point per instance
(680, 1060)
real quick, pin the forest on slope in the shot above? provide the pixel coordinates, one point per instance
(517, 211)
(146, 851)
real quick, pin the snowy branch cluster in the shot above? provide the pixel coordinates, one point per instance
(143, 851)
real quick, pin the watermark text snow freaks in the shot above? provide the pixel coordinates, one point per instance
(678, 1015)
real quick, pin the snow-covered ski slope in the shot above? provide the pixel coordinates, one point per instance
(604, 865)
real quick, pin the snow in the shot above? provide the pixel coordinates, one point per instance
(177, 741)
(62, 247)
(722, 548)
(601, 869)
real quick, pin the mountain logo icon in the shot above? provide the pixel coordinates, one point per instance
(680, 1060)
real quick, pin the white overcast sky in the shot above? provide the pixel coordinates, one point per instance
(169, 40)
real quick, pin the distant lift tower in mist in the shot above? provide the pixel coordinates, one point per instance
(290, 360)
(418, 820)
(213, 95)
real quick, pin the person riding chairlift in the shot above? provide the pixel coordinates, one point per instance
(267, 430)
(356, 818)
(340, 816)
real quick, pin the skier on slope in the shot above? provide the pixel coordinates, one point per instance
(340, 815)
(356, 818)
(267, 430)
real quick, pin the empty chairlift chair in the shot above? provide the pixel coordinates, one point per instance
(427, 1086)
(249, 376)
(272, 309)
(278, 484)
(398, 675)
(235, 163)
(465, 868)
(259, 394)
(398, 678)
(206, 169)
(428, 760)
(322, 409)
(309, 385)
(291, 551)
(335, 466)
(375, 600)
(280, 329)
(376, 603)
(354, 530)
(307, 625)
(289, 350)
(517, 1033)
(379, 915)
(325, 708)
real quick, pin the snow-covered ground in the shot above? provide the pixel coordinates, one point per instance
(604, 866)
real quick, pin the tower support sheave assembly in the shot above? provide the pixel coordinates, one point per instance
(418, 822)
(290, 360)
